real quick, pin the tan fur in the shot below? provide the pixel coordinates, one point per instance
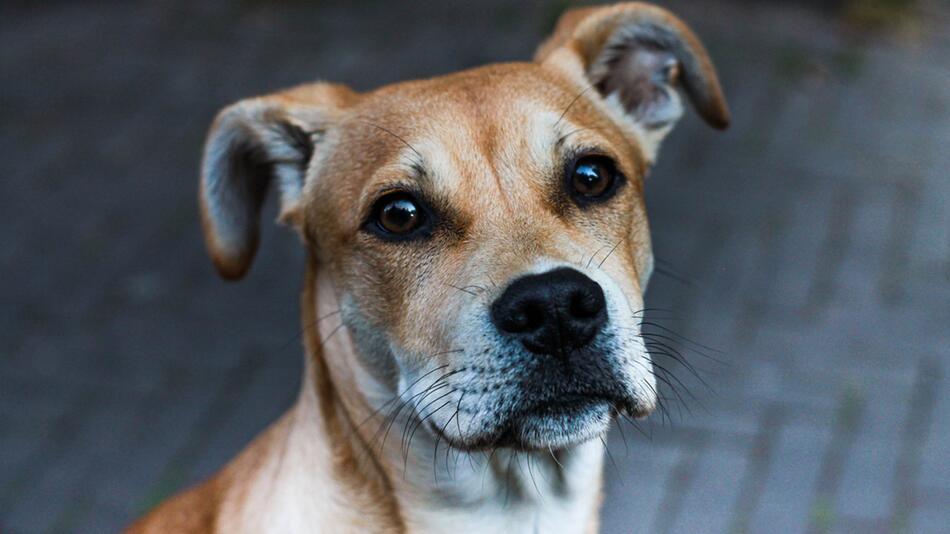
(493, 140)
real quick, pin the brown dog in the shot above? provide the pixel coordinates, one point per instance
(478, 251)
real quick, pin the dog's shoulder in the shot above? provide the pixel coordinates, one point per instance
(194, 511)
(205, 508)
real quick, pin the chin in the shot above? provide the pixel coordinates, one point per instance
(560, 425)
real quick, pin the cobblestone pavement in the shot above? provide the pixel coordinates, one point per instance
(810, 245)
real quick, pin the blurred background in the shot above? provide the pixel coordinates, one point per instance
(809, 246)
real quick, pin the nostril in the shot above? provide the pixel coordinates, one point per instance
(585, 304)
(525, 317)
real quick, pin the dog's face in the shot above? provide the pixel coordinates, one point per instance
(498, 251)
(485, 232)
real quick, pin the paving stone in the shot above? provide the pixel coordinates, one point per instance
(935, 469)
(49, 494)
(788, 497)
(638, 483)
(47, 403)
(270, 390)
(929, 520)
(867, 485)
(155, 437)
(100, 517)
(710, 501)
(17, 452)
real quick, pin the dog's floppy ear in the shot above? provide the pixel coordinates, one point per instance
(251, 144)
(635, 55)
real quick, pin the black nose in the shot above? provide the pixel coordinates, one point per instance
(552, 312)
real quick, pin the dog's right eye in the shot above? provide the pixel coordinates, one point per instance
(593, 179)
(399, 215)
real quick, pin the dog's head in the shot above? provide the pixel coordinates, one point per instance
(485, 232)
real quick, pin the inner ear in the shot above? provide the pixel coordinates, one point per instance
(302, 143)
(637, 54)
(290, 173)
(643, 77)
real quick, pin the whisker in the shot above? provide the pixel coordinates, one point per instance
(633, 423)
(612, 249)
(531, 475)
(332, 333)
(419, 424)
(664, 413)
(421, 413)
(508, 476)
(666, 350)
(391, 419)
(568, 134)
(641, 315)
(316, 322)
(675, 390)
(435, 452)
(610, 457)
(682, 402)
(407, 390)
(463, 289)
(554, 457)
(594, 255)
(681, 336)
(667, 269)
(626, 447)
(569, 106)
(390, 132)
(661, 340)
(673, 276)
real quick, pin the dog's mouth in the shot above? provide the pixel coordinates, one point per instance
(549, 404)
(565, 406)
(554, 423)
(565, 421)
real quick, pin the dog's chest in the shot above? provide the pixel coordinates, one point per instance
(521, 500)
(554, 516)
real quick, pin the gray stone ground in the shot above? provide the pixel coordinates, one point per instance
(810, 244)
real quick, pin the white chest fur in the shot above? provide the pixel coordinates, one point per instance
(510, 493)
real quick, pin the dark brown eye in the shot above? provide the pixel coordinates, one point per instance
(399, 214)
(593, 178)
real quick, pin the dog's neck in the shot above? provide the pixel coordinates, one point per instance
(392, 476)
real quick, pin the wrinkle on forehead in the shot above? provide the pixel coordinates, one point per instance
(487, 124)
(500, 164)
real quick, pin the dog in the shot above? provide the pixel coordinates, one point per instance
(478, 249)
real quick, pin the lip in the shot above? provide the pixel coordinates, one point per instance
(577, 403)
(561, 423)
(564, 406)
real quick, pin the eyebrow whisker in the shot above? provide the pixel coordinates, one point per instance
(390, 132)
(576, 98)
(568, 134)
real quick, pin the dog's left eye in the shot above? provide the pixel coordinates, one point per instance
(592, 178)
